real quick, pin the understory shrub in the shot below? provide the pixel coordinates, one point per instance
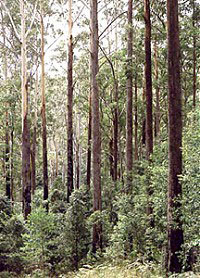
(11, 229)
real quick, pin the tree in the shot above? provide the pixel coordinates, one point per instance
(88, 177)
(194, 53)
(129, 87)
(26, 169)
(148, 91)
(43, 113)
(70, 107)
(96, 140)
(148, 80)
(175, 231)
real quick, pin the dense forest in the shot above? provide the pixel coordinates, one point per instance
(99, 138)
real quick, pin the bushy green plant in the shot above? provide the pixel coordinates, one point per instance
(38, 238)
(133, 234)
(58, 201)
(11, 229)
(56, 241)
(191, 185)
(74, 239)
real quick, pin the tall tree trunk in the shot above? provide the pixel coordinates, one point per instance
(194, 56)
(96, 140)
(78, 150)
(115, 131)
(34, 140)
(12, 160)
(70, 185)
(26, 170)
(43, 112)
(129, 86)
(136, 120)
(89, 144)
(7, 159)
(116, 110)
(148, 91)
(157, 113)
(175, 231)
(114, 139)
(148, 81)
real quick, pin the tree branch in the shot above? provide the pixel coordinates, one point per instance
(12, 23)
(33, 19)
(112, 23)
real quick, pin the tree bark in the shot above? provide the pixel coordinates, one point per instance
(136, 120)
(148, 91)
(175, 232)
(12, 160)
(89, 144)
(78, 150)
(43, 112)
(7, 159)
(129, 87)
(157, 113)
(194, 57)
(26, 170)
(96, 140)
(70, 185)
(34, 141)
(148, 81)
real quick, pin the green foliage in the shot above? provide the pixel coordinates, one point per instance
(11, 229)
(190, 180)
(55, 241)
(40, 227)
(75, 239)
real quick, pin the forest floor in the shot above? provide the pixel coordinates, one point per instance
(109, 271)
(128, 271)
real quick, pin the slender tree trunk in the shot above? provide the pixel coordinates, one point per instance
(78, 149)
(12, 160)
(89, 144)
(7, 159)
(96, 140)
(143, 118)
(175, 231)
(77, 165)
(43, 112)
(148, 90)
(34, 141)
(111, 159)
(157, 116)
(148, 81)
(115, 132)
(114, 139)
(129, 86)
(70, 185)
(26, 170)
(116, 110)
(194, 57)
(136, 120)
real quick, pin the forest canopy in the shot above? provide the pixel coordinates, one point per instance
(100, 138)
